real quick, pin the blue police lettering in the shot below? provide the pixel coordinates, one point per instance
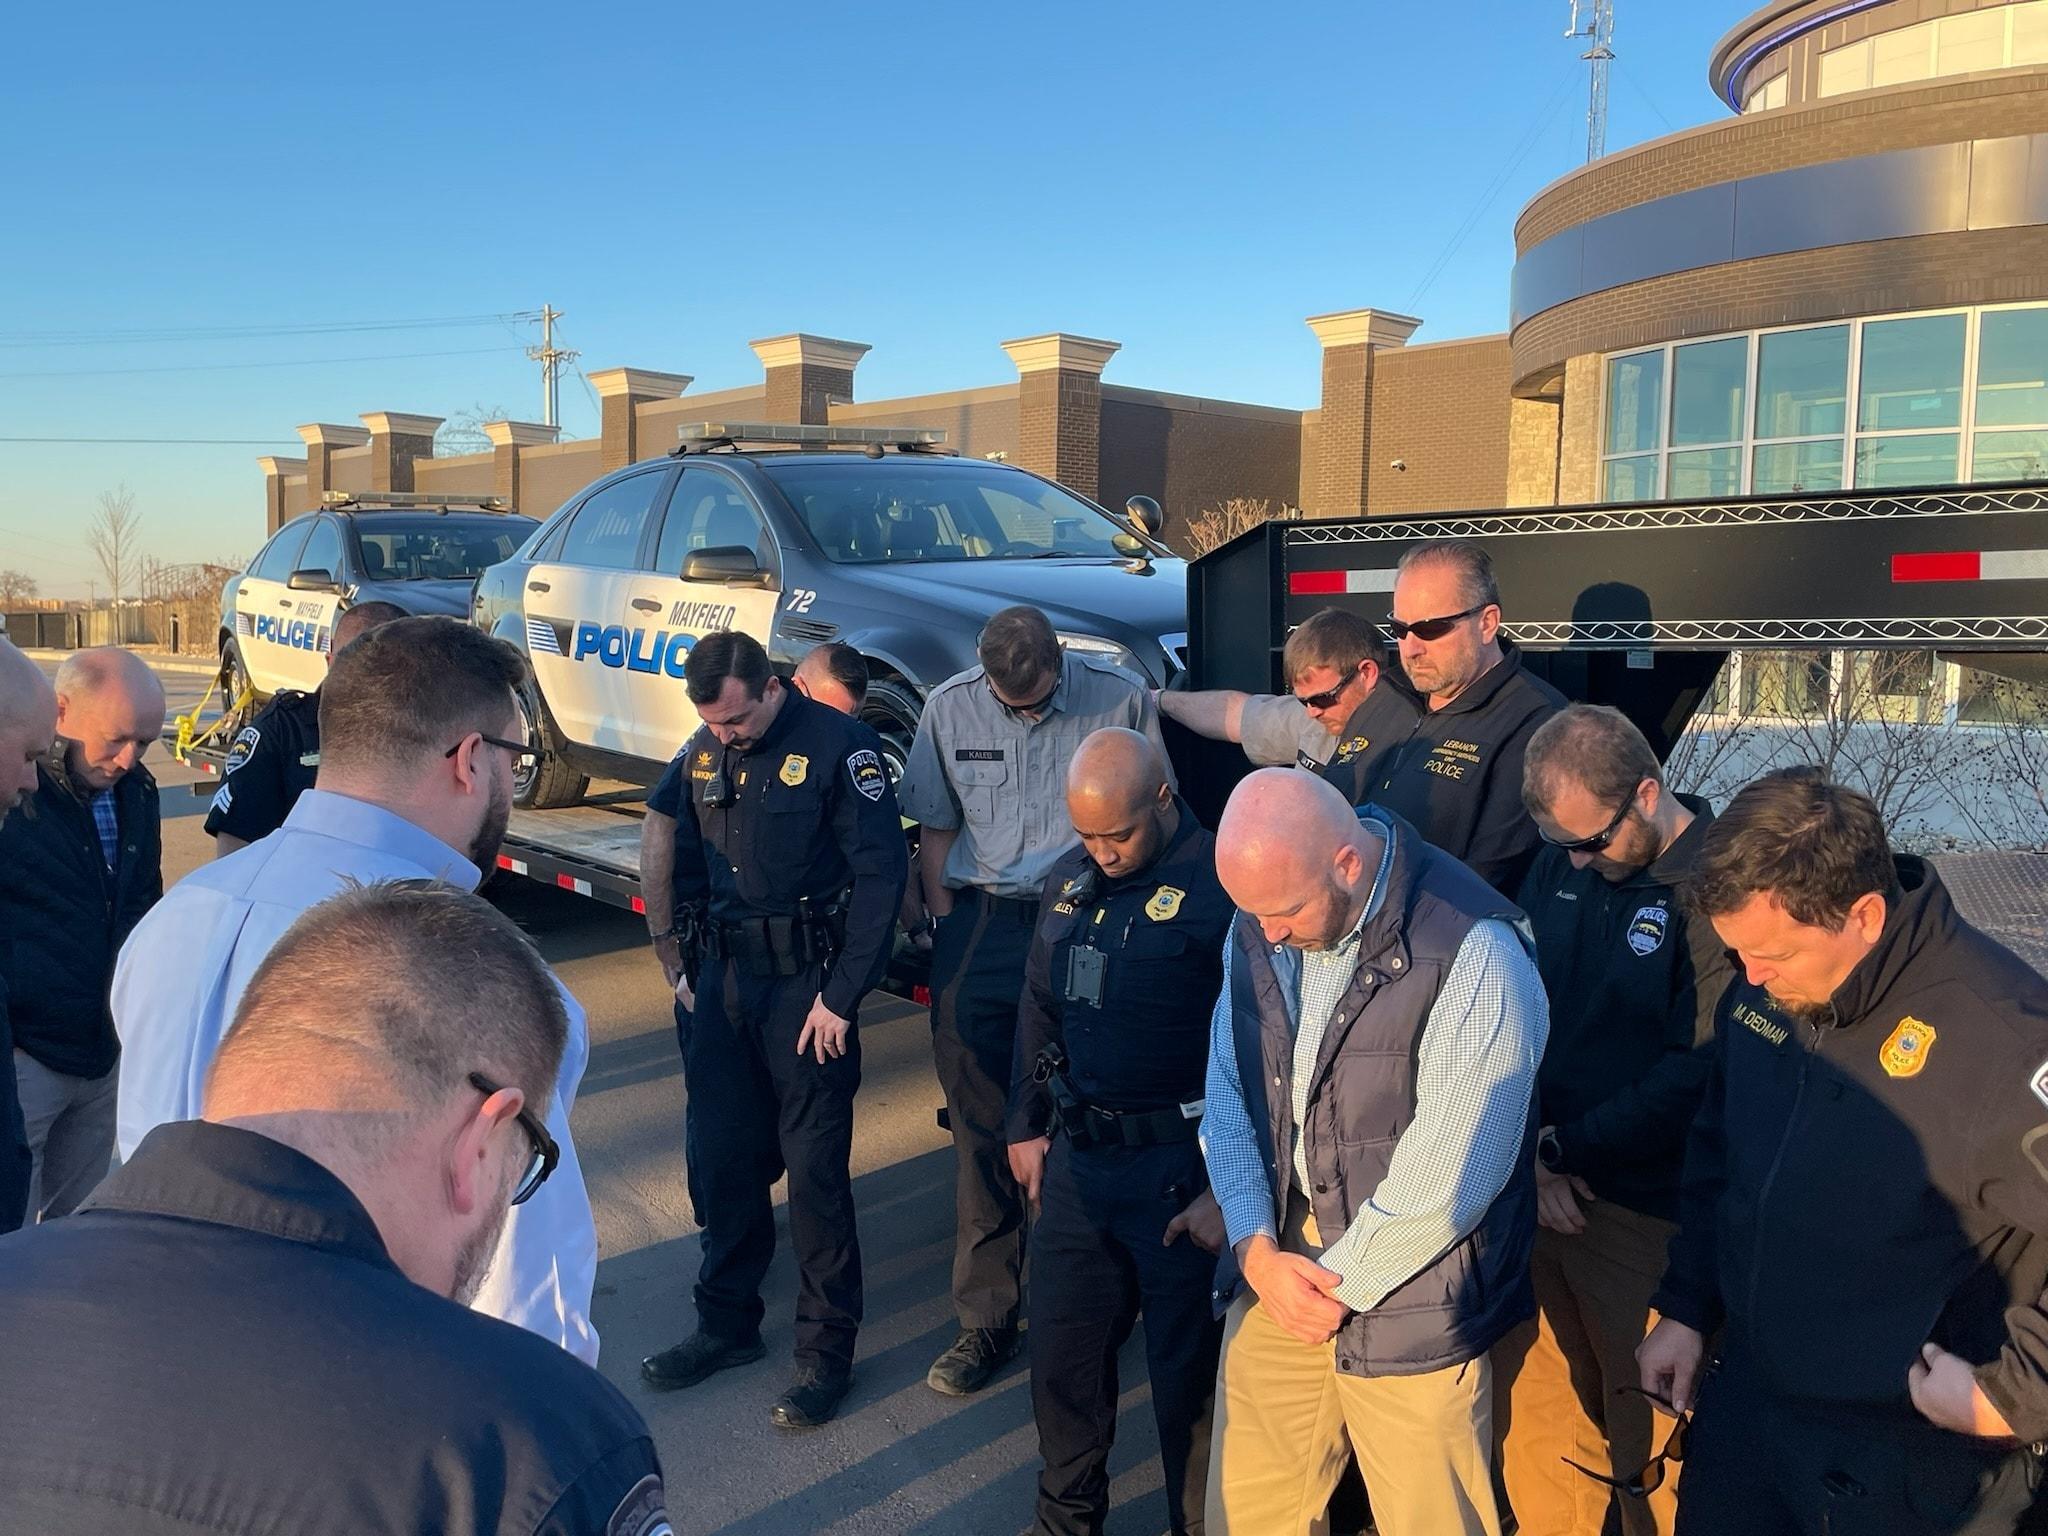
(297, 634)
(636, 650)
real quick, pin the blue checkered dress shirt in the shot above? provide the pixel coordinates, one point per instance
(103, 818)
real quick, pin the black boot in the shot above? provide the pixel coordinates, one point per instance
(974, 1357)
(700, 1355)
(813, 1398)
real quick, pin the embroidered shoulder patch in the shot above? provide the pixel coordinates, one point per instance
(866, 771)
(242, 750)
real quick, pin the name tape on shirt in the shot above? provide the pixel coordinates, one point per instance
(865, 769)
(977, 754)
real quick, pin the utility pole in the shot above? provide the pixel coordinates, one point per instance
(551, 358)
(1599, 27)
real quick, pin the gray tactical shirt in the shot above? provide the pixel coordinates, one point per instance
(1003, 781)
(1277, 731)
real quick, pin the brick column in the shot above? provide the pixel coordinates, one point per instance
(1059, 406)
(620, 394)
(806, 373)
(509, 440)
(1344, 434)
(275, 468)
(322, 438)
(396, 439)
(1578, 438)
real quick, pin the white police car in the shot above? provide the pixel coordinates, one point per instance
(901, 550)
(422, 553)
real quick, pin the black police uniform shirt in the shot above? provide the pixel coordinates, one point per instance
(812, 814)
(1455, 773)
(1159, 936)
(1860, 1184)
(219, 1342)
(272, 761)
(1633, 984)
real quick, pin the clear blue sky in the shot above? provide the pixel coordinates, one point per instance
(1189, 179)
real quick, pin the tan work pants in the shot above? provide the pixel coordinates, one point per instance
(1286, 1422)
(1557, 1380)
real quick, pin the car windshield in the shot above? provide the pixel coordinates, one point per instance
(449, 547)
(906, 509)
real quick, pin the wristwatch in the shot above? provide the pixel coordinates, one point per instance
(922, 927)
(1549, 1150)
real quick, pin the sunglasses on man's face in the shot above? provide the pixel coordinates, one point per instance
(1651, 1478)
(1598, 842)
(1035, 708)
(545, 1153)
(1329, 696)
(1431, 629)
(522, 753)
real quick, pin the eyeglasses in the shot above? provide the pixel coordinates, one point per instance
(522, 754)
(1431, 629)
(545, 1153)
(1599, 840)
(1651, 1478)
(1019, 711)
(1330, 696)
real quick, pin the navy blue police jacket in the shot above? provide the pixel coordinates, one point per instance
(218, 1341)
(1874, 1176)
(1160, 931)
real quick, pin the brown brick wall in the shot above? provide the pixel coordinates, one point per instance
(349, 470)
(1059, 427)
(392, 460)
(1922, 272)
(1189, 458)
(1800, 59)
(798, 392)
(468, 474)
(1443, 411)
(1344, 434)
(659, 419)
(551, 474)
(1950, 112)
(977, 422)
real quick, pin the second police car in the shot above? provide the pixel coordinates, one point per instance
(899, 550)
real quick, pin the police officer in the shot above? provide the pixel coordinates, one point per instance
(1633, 981)
(1455, 769)
(986, 778)
(1112, 1045)
(789, 865)
(1336, 666)
(1865, 1207)
(258, 1323)
(276, 755)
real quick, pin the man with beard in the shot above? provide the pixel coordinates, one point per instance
(1865, 1205)
(1632, 984)
(420, 734)
(257, 1323)
(1455, 770)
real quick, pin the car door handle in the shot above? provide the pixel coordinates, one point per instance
(646, 605)
(284, 602)
(538, 586)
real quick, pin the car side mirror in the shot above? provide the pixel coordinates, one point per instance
(1145, 515)
(1129, 545)
(728, 563)
(313, 580)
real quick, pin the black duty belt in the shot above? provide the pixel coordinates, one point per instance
(781, 945)
(1090, 1125)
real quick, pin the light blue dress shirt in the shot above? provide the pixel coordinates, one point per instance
(1475, 1079)
(185, 967)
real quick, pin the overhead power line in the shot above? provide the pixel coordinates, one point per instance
(191, 333)
(295, 362)
(167, 442)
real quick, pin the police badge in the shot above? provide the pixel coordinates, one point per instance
(795, 769)
(1905, 1052)
(1164, 903)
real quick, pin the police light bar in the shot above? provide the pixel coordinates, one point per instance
(424, 499)
(794, 435)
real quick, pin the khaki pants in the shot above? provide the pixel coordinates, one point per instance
(1286, 1422)
(1557, 1380)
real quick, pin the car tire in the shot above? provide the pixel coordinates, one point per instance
(235, 683)
(891, 710)
(551, 782)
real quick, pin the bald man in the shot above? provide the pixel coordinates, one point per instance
(81, 860)
(1367, 1130)
(834, 674)
(1105, 1100)
(28, 724)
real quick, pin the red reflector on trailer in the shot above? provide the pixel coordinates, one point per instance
(1947, 565)
(1315, 583)
(639, 905)
(922, 996)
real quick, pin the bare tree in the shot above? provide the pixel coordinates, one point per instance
(1213, 527)
(464, 431)
(16, 585)
(112, 534)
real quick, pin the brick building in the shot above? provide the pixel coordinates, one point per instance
(1843, 283)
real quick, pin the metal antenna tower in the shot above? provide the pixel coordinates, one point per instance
(1594, 19)
(551, 359)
